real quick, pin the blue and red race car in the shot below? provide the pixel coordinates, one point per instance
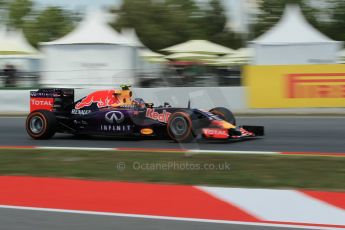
(117, 113)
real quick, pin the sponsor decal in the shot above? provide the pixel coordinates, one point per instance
(129, 106)
(80, 112)
(48, 93)
(162, 117)
(216, 133)
(102, 98)
(82, 122)
(113, 117)
(316, 85)
(41, 103)
(146, 131)
(295, 86)
(40, 94)
(246, 133)
(116, 128)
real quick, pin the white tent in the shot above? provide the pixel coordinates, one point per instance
(94, 54)
(15, 43)
(151, 64)
(190, 56)
(198, 46)
(239, 57)
(131, 38)
(341, 56)
(146, 53)
(16, 50)
(294, 41)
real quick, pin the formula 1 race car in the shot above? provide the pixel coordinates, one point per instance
(116, 113)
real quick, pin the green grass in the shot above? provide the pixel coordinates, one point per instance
(326, 173)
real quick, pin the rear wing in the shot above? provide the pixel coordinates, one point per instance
(55, 100)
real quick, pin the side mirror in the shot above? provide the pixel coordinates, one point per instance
(149, 105)
(167, 105)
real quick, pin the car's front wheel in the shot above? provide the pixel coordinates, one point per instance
(180, 127)
(41, 124)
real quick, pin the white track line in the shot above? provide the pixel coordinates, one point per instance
(74, 148)
(164, 218)
(232, 152)
(192, 151)
(186, 151)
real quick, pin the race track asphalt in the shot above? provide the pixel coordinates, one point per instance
(13, 219)
(321, 134)
(290, 134)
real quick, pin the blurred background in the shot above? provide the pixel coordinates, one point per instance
(157, 43)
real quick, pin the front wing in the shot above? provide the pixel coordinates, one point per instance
(240, 132)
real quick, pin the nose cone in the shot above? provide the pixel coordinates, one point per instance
(223, 124)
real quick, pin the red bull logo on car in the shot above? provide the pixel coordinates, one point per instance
(103, 98)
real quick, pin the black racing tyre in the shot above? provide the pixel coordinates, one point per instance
(224, 114)
(180, 127)
(41, 124)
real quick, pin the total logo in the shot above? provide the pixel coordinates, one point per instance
(114, 117)
(216, 133)
(41, 102)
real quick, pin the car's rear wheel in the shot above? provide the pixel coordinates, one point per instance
(180, 127)
(224, 114)
(41, 124)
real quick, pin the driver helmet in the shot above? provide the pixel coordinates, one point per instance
(139, 102)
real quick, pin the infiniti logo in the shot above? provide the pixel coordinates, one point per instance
(114, 117)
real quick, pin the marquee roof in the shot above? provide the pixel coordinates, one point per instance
(291, 29)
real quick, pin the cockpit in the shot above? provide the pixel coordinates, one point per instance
(124, 99)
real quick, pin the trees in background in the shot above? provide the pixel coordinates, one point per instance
(217, 31)
(38, 24)
(328, 16)
(49, 24)
(335, 24)
(3, 11)
(17, 11)
(270, 12)
(215, 18)
(160, 24)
